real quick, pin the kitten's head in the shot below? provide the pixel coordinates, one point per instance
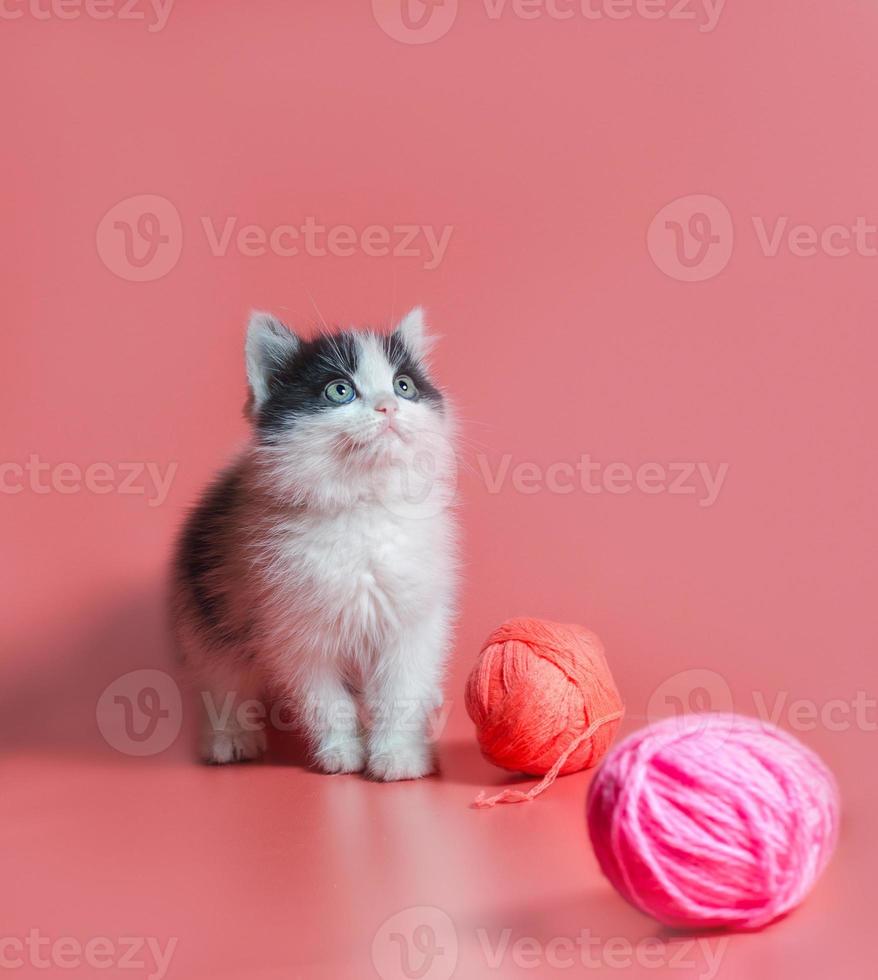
(347, 415)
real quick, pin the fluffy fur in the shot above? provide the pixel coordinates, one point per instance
(319, 568)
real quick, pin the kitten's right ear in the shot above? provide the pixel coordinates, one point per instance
(269, 344)
(412, 331)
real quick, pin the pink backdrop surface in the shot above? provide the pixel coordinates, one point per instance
(646, 234)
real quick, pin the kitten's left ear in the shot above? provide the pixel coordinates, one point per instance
(269, 343)
(412, 331)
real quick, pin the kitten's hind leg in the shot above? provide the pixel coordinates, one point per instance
(232, 713)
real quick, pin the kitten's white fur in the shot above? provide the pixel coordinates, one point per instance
(338, 572)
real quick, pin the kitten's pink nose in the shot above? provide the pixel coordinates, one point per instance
(387, 405)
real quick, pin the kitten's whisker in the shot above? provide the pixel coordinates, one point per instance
(476, 444)
(393, 298)
(316, 307)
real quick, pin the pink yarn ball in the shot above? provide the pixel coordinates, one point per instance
(713, 820)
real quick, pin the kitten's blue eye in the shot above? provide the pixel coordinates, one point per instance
(405, 387)
(339, 392)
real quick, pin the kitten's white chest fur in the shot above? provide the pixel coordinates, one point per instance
(322, 565)
(360, 576)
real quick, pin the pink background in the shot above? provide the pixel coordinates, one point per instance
(548, 146)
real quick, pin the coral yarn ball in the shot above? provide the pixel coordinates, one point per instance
(713, 820)
(536, 689)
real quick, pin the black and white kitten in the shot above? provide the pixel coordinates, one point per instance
(320, 566)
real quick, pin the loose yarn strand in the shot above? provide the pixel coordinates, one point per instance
(483, 802)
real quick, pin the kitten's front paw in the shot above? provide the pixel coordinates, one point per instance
(402, 762)
(222, 747)
(346, 757)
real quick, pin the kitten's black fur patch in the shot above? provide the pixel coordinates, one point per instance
(200, 553)
(296, 387)
(405, 363)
